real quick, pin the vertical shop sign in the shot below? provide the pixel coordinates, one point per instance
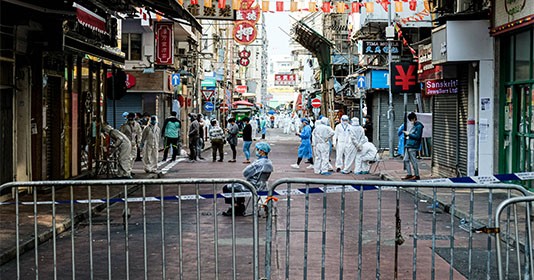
(164, 44)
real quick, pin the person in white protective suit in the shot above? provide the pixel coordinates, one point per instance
(366, 153)
(132, 129)
(287, 124)
(122, 146)
(150, 145)
(321, 136)
(355, 137)
(341, 142)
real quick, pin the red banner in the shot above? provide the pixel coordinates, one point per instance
(284, 79)
(90, 20)
(164, 44)
(245, 32)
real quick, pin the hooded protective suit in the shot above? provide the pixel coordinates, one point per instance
(132, 130)
(365, 154)
(321, 136)
(356, 132)
(305, 148)
(150, 144)
(341, 141)
(123, 146)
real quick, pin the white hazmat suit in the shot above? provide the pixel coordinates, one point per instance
(366, 152)
(132, 130)
(321, 136)
(122, 145)
(355, 135)
(341, 142)
(150, 144)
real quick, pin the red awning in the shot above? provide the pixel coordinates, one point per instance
(242, 102)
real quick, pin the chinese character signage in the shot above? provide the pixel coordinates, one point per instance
(446, 86)
(245, 27)
(427, 70)
(404, 78)
(381, 47)
(208, 9)
(284, 79)
(164, 44)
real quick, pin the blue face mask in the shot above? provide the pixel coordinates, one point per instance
(153, 122)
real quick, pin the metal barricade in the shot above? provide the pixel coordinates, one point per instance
(518, 247)
(347, 229)
(128, 229)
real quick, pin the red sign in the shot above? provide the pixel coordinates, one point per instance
(248, 12)
(316, 103)
(244, 62)
(404, 78)
(284, 79)
(164, 44)
(89, 19)
(427, 70)
(208, 94)
(130, 80)
(245, 32)
(241, 89)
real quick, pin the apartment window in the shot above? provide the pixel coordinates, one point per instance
(132, 45)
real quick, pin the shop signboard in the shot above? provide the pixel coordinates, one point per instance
(443, 86)
(404, 78)
(381, 47)
(284, 79)
(164, 47)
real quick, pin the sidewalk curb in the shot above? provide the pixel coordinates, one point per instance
(29, 244)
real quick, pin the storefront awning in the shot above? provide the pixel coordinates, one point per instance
(171, 9)
(316, 44)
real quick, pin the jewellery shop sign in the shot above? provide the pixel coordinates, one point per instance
(445, 86)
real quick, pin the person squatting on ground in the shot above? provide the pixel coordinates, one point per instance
(122, 147)
(252, 174)
(171, 133)
(216, 135)
(355, 137)
(132, 130)
(321, 136)
(305, 148)
(412, 144)
(366, 153)
(232, 129)
(193, 136)
(247, 139)
(150, 145)
(341, 142)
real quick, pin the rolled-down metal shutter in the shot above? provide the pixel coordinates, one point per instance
(449, 135)
(132, 102)
(383, 123)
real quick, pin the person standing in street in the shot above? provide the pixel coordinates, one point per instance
(247, 139)
(150, 145)
(171, 132)
(132, 130)
(263, 127)
(122, 147)
(356, 138)
(322, 134)
(412, 144)
(216, 135)
(341, 141)
(368, 128)
(200, 143)
(305, 148)
(193, 134)
(232, 129)
(400, 133)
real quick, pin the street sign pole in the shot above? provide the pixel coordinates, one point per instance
(391, 111)
(361, 105)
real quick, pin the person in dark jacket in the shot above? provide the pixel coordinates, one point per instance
(247, 139)
(171, 133)
(412, 144)
(368, 128)
(194, 133)
(200, 143)
(232, 130)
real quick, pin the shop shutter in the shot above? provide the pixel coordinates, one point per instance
(382, 125)
(132, 102)
(449, 139)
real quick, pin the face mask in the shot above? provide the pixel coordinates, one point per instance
(153, 122)
(258, 154)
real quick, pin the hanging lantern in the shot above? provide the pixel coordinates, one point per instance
(312, 7)
(279, 6)
(413, 4)
(355, 7)
(385, 4)
(194, 2)
(293, 6)
(265, 6)
(326, 7)
(340, 7)
(369, 7)
(208, 3)
(398, 6)
(221, 4)
(235, 5)
(181, 2)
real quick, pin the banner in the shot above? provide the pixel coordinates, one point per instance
(164, 43)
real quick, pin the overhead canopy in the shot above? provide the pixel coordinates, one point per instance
(171, 9)
(242, 102)
(316, 44)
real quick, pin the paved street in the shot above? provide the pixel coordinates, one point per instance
(206, 236)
